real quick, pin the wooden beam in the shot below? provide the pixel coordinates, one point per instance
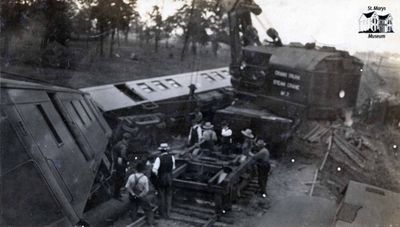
(196, 186)
(215, 176)
(342, 145)
(178, 171)
(330, 141)
(204, 164)
(237, 172)
(314, 182)
(141, 221)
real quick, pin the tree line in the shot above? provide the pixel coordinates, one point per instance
(62, 21)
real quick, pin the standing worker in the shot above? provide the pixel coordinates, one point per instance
(226, 138)
(162, 168)
(263, 166)
(120, 162)
(209, 137)
(138, 188)
(247, 145)
(195, 132)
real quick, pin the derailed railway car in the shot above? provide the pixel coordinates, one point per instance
(53, 154)
(170, 95)
(295, 80)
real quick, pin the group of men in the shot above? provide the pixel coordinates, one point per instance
(202, 136)
(138, 183)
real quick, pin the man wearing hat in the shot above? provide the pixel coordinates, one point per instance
(247, 145)
(263, 166)
(120, 162)
(209, 137)
(162, 168)
(138, 187)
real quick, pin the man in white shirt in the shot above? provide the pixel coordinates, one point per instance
(138, 188)
(226, 138)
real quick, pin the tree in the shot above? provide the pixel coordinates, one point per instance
(198, 19)
(168, 27)
(112, 15)
(12, 17)
(58, 23)
(82, 24)
(156, 27)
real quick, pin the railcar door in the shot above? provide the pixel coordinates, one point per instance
(95, 134)
(25, 175)
(57, 145)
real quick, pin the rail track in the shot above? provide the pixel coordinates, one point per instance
(202, 214)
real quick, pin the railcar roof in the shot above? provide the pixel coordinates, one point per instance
(11, 83)
(367, 205)
(112, 97)
(295, 57)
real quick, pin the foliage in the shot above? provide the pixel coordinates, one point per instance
(55, 20)
(200, 20)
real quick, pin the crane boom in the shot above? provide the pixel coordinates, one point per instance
(241, 30)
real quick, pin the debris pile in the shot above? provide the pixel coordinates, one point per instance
(349, 153)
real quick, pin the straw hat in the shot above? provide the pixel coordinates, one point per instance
(248, 133)
(208, 125)
(164, 147)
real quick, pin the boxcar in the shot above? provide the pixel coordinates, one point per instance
(53, 142)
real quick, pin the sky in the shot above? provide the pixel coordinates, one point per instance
(327, 22)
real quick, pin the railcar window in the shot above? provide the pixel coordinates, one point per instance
(145, 87)
(85, 108)
(173, 83)
(78, 105)
(50, 125)
(129, 92)
(159, 85)
(208, 77)
(77, 113)
(218, 75)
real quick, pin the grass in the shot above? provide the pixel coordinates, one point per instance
(91, 69)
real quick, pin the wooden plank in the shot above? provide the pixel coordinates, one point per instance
(351, 147)
(219, 224)
(312, 131)
(196, 186)
(318, 136)
(141, 221)
(345, 162)
(195, 208)
(225, 219)
(179, 170)
(314, 182)
(366, 142)
(193, 162)
(188, 220)
(210, 222)
(215, 176)
(346, 151)
(191, 213)
(235, 174)
(330, 140)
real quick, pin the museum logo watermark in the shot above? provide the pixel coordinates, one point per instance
(376, 22)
